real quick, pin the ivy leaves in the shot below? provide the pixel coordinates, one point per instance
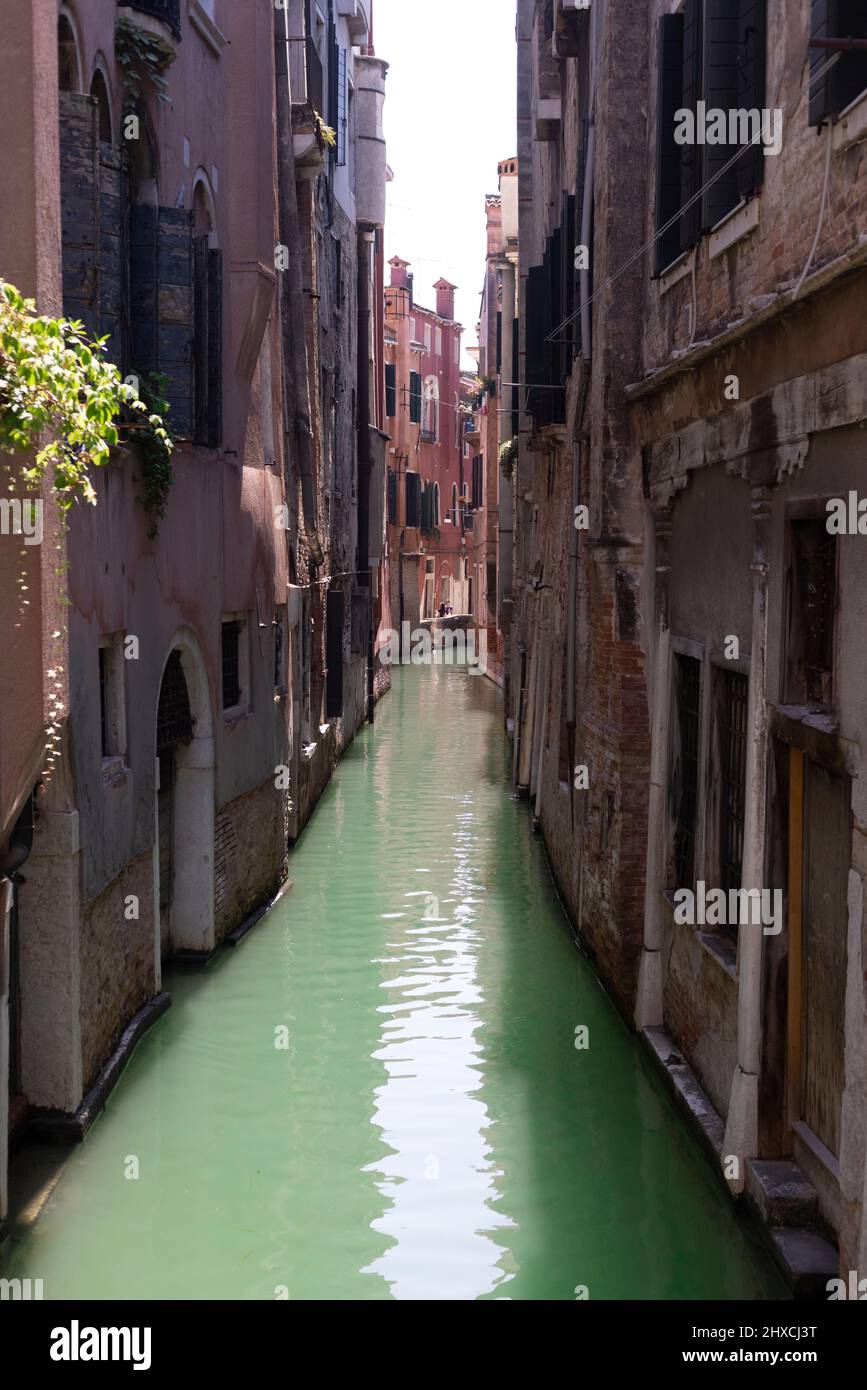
(142, 58)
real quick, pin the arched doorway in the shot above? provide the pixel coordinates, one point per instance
(68, 75)
(184, 839)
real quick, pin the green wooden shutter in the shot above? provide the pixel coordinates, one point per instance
(752, 84)
(392, 497)
(390, 389)
(669, 99)
(79, 206)
(215, 348)
(415, 398)
(690, 155)
(721, 92)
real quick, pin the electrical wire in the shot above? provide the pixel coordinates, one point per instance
(820, 72)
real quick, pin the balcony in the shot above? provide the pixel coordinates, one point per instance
(168, 12)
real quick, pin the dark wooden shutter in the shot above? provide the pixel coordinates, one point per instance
(113, 256)
(413, 507)
(752, 84)
(390, 389)
(426, 507)
(334, 613)
(669, 99)
(200, 337)
(215, 348)
(415, 398)
(722, 34)
(568, 279)
(79, 195)
(690, 155)
(161, 291)
(477, 498)
(392, 497)
(821, 89)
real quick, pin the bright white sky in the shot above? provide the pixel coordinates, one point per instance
(450, 117)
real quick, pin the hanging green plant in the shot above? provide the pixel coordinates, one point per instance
(56, 386)
(508, 457)
(155, 447)
(143, 59)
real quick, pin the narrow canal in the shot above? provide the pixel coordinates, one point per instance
(429, 1130)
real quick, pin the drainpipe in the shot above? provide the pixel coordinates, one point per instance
(741, 1136)
(292, 315)
(648, 1001)
(364, 465)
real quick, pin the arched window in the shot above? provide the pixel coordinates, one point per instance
(436, 504)
(455, 503)
(67, 57)
(99, 92)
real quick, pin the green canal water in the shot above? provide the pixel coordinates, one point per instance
(430, 1130)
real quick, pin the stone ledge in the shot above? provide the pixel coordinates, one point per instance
(687, 1092)
(237, 935)
(53, 1126)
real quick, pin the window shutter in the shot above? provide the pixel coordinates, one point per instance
(415, 398)
(200, 337)
(568, 279)
(556, 399)
(848, 77)
(412, 499)
(161, 291)
(690, 155)
(215, 348)
(669, 93)
(426, 507)
(113, 198)
(174, 304)
(392, 497)
(340, 128)
(722, 91)
(79, 191)
(334, 612)
(752, 74)
(390, 389)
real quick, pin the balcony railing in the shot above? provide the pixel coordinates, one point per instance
(169, 11)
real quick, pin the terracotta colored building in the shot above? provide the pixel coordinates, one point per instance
(426, 485)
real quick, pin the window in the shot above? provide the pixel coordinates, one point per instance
(477, 499)
(235, 659)
(847, 78)
(427, 336)
(733, 710)
(454, 514)
(430, 411)
(391, 497)
(812, 605)
(208, 328)
(67, 56)
(280, 648)
(415, 398)
(436, 504)
(439, 342)
(112, 711)
(390, 390)
(684, 766)
(413, 499)
(712, 52)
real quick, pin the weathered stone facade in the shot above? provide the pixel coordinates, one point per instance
(684, 667)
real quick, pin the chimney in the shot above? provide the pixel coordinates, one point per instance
(445, 299)
(399, 277)
(494, 214)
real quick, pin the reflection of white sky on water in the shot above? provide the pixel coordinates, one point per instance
(439, 1178)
